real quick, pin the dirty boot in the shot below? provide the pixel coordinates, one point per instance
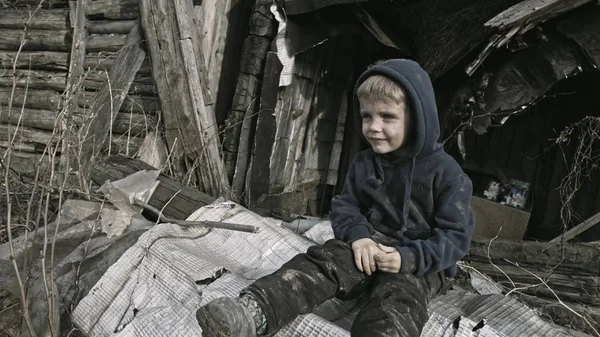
(226, 317)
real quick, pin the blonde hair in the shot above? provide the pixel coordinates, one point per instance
(381, 88)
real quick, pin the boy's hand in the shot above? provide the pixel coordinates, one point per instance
(364, 250)
(388, 260)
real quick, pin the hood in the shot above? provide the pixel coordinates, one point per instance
(421, 99)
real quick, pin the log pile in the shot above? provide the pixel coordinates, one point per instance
(540, 273)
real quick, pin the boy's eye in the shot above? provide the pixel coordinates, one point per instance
(365, 116)
(388, 116)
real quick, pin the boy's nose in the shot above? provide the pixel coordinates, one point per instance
(375, 125)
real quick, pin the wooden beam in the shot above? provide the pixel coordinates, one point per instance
(176, 200)
(582, 227)
(108, 100)
(23, 134)
(105, 61)
(46, 40)
(35, 118)
(141, 85)
(44, 19)
(190, 126)
(131, 103)
(43, 60)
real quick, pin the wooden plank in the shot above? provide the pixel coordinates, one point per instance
(43, 19)
(33, 98)
(173, 45)
(137, 125)
(338, 142)
(578, 229)
(212, 22)
(108, 100)
(258, 180)
(43, 40)
(121, 145)
(253, 55)
(114, 9)
(176, 200)
(34, 79)
(42, 60)
(105, 42)
(532, 10)
(105, 60)
(110, 27)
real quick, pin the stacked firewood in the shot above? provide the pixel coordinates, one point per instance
(36, 59)
(560, 281)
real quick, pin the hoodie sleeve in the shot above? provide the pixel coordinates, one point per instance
(451, 232)
(348, 223)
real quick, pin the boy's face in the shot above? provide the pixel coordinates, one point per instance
(385, 125)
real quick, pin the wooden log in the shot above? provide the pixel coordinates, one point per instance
(141, 85)
(27, 135)
(34, 79)
(114, 9)
(105, 42)
(34, 118)
(122, 145)
(108, 100)
(54, 4)
(33, 98)
(46, 40)
(110, 27)
(172, 42)
(262, 20)
(136, 125)
(131, 103)
(578, 229)
(37, 60)
(25, 162)
(176, 200)
(105, 61)
(42, 19)
(580, 259)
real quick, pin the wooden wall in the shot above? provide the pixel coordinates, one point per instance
(524, 148)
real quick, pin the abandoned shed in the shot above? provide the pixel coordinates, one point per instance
(253, 101)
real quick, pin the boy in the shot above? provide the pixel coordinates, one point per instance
(401, 223)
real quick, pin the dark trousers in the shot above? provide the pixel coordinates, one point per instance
(397, 305)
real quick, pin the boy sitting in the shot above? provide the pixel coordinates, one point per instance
(402, 222)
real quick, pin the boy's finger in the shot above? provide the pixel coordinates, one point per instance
(358, 262)
(387, 249)
(366, 263)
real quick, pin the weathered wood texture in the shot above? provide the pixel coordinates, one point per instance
(33, 98)
(34, 79)
(141, 85)
(105, 42)
(111, 27)
(43, 40)
(572, 271)
(114, 9)
(27, 135)
(43, 19)
(176, 200)
(244, 100)
(105, 60)
(42, 60)
(212, 24)
(26, 162)
(190, 126)
(108, 100)
(131, 103)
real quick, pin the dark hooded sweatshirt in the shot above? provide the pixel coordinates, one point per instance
(417, 194)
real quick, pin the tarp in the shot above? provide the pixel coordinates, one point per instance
(155, 288)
